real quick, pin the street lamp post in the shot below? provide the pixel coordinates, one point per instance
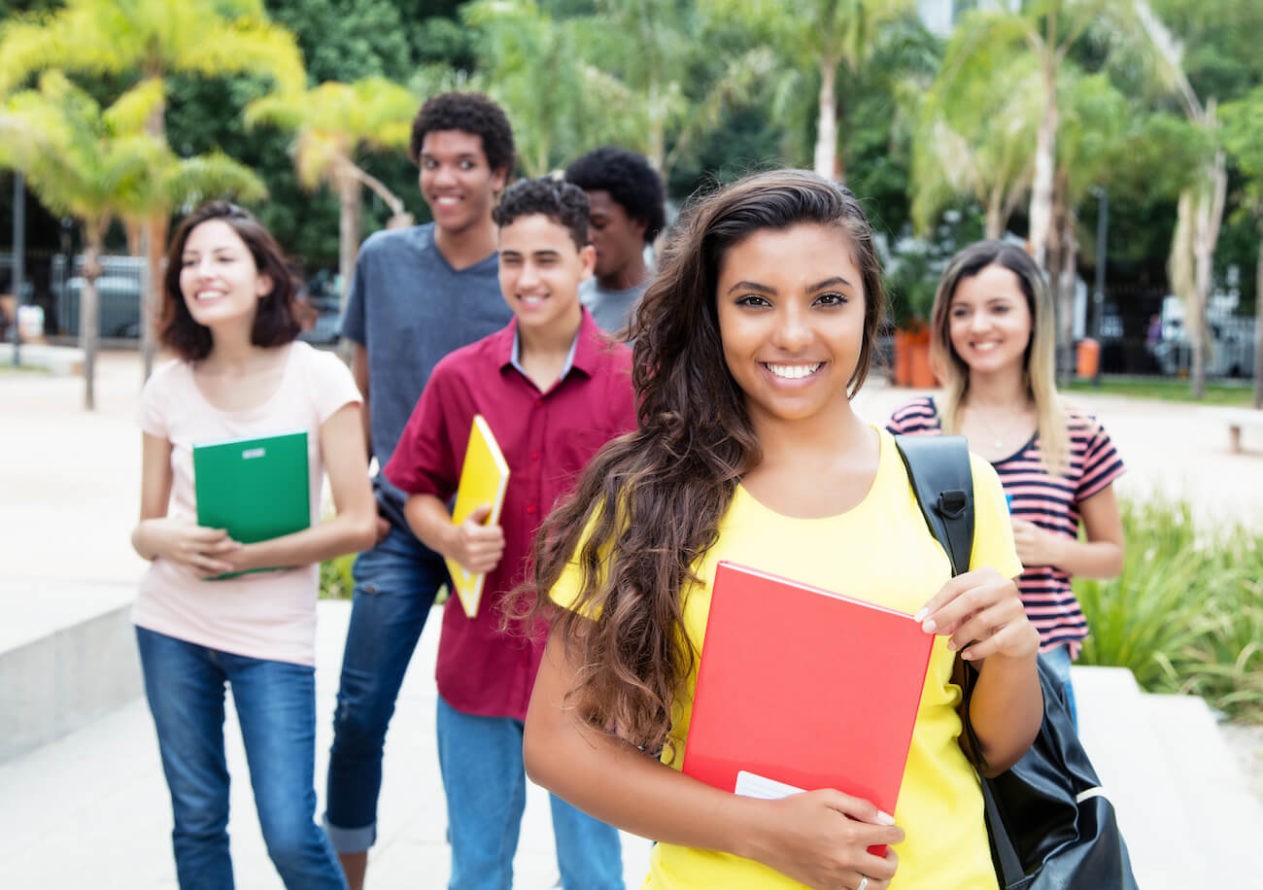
(19, 261)
(1098, 298)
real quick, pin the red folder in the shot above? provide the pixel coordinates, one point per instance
(806, 688)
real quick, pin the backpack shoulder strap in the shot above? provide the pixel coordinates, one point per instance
(939, 470)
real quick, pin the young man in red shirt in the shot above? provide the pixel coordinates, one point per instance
(553, 389)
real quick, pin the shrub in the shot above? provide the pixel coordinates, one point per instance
(1185, 615)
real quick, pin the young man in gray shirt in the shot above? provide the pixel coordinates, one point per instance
(626, 200)
(418, 294)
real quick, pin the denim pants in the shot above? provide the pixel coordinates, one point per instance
(485, 783)
(395, 585)
(276, 707)
(1059, 660)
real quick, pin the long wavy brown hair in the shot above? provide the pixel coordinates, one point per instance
(648, 506)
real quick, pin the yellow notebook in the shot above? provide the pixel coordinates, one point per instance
(484, 476)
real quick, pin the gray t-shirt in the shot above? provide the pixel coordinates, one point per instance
(408, 308)
(612, 309)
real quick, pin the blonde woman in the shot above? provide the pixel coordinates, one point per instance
(992, 345)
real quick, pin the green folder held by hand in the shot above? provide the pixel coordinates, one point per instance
(255, 488)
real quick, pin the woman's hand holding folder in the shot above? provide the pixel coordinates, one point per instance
(200, 549)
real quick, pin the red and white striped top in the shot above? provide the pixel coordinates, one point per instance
(1047, 500)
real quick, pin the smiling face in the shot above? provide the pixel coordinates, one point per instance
(456, 181)
(219, 279)
(989, 322)
(540, 270)
(791, 319)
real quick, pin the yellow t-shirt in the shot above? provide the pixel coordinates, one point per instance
(880, 551)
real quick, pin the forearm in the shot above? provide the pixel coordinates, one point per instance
(1089, 559)
(1006, 709)
(143, 541)
(625, 787)
(430, 520)
(348, 532)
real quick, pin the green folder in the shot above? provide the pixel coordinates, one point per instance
(255, 488)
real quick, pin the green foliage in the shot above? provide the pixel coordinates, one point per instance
(1186, 613)
(336, 580)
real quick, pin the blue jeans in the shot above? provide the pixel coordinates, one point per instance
(395, 585)
(276, 707)
(1059, 660)
(485, 782)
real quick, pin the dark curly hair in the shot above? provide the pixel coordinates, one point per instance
(563, 203)
(472, 113)
(275, 322)
(631, 182)
(648, 506)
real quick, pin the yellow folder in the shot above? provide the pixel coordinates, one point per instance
(484, 476)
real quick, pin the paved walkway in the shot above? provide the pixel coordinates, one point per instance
(90, 810)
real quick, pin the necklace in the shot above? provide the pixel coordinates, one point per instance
(997, 438)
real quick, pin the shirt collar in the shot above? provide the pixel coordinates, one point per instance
(583, 349)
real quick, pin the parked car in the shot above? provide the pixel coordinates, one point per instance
(119, 290)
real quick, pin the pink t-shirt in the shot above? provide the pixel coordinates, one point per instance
(268, 615)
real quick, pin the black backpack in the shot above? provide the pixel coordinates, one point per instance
(1049, 823)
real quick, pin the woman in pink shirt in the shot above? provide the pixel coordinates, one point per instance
(228, 315)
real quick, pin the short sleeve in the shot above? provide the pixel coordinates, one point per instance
(332, 384)
(565, 592)
(916, 418)
(152, 414)
(993, 530)
(354, 324)
(1101, 461)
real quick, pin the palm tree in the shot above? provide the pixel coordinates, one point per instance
(97, 166)
(828, 33)
(146, 40)
(974, 137)
(1201, 204)
(333, 123)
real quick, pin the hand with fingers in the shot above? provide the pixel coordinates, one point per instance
(822, 839)
(205, 551)
(476, 546)
(1036, 546)
(982, 614)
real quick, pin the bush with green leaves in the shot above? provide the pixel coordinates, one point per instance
(1185, 615)
(336, 582)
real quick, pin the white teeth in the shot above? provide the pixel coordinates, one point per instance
(794, 372)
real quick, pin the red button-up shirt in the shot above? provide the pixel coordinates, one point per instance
(547, 438)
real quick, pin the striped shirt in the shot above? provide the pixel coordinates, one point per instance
(1046, 500)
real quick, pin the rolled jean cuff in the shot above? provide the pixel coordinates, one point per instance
(350, 840)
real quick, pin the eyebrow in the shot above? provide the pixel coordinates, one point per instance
(835, 281)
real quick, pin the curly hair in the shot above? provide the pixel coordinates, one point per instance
(1039, 360)
(630, 181)
(648, 507)
(275, 321)
(563, 203)
(472, 113)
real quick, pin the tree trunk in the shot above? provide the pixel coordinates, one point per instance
(994, 225)
(156, 246)
(89, 308)
(826, 156)
(1208, 215)
(1258, 328)
(1041, 209)
(153, 237)
(348, 230)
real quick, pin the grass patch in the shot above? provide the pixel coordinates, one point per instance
(1185, 615)
(1166, 389)
(336, 582)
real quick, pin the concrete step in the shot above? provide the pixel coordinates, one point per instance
(1187, 815)
(60, 361)
(67, 657)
